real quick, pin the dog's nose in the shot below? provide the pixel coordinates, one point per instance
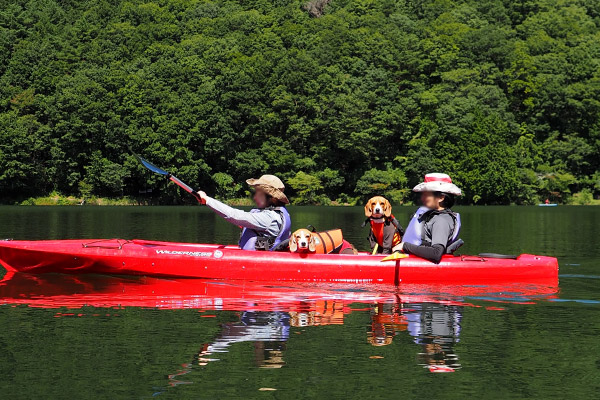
(302, 244)
(377, 210)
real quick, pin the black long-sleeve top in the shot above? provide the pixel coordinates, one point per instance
(431, 253)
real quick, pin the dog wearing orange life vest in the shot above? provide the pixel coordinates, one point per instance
(386, 233)
(328, 242)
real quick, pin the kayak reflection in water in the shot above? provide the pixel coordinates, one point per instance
(436, 327)
(267, 225)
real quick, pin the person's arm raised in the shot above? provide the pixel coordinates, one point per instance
(260, 221)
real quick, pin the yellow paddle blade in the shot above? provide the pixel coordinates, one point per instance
(394, 257)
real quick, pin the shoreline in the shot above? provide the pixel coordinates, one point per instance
(126, 203)
(55, 199)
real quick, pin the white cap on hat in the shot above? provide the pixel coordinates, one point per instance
(436, 182)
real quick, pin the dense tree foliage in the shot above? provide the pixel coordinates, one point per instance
(357, 97)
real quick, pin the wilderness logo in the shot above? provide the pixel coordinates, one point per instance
(185, 253)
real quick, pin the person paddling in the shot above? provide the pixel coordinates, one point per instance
(265, 226)
(433, 231)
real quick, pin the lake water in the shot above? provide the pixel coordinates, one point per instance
(209, 340)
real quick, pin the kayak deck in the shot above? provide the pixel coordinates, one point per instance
(209, 261)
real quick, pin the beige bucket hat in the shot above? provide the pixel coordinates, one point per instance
(271, 185)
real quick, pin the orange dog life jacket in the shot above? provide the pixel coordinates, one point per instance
(377, 228)
(328, 241)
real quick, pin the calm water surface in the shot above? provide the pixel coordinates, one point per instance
(120, 338)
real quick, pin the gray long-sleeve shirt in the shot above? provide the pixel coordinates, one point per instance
(438, 231)
(267, 221)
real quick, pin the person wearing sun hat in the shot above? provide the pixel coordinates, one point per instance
(433, 230)
(267, 225)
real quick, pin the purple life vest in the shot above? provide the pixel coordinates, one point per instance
(249, 236)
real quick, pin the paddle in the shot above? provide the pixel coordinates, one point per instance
(169, 176)
(394, 257)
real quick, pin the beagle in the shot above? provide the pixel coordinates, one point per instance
(302, 241)
(378, 207)
(327, 242)
(386, 233)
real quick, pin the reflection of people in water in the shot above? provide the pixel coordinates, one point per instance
(436, 327)
(323, 312)
(268, 330)
(386, 321)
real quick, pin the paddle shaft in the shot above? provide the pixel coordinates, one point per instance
(185, 187)
(375, 249)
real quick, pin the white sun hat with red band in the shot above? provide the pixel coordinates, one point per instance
(437, 182)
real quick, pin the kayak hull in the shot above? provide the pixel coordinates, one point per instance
(206, 261)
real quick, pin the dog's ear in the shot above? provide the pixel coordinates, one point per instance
(293, 244)
(311, 244)
(368, 209)
(387, 210)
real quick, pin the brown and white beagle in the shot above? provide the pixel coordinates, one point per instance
(302, 241)
(327, 242)
(386, 233)
(378, 207)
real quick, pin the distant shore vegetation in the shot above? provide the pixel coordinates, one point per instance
(343, 99)
(54, 199)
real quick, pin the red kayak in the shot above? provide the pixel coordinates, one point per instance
(207, 261)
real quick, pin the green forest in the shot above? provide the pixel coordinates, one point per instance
(342, 99)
